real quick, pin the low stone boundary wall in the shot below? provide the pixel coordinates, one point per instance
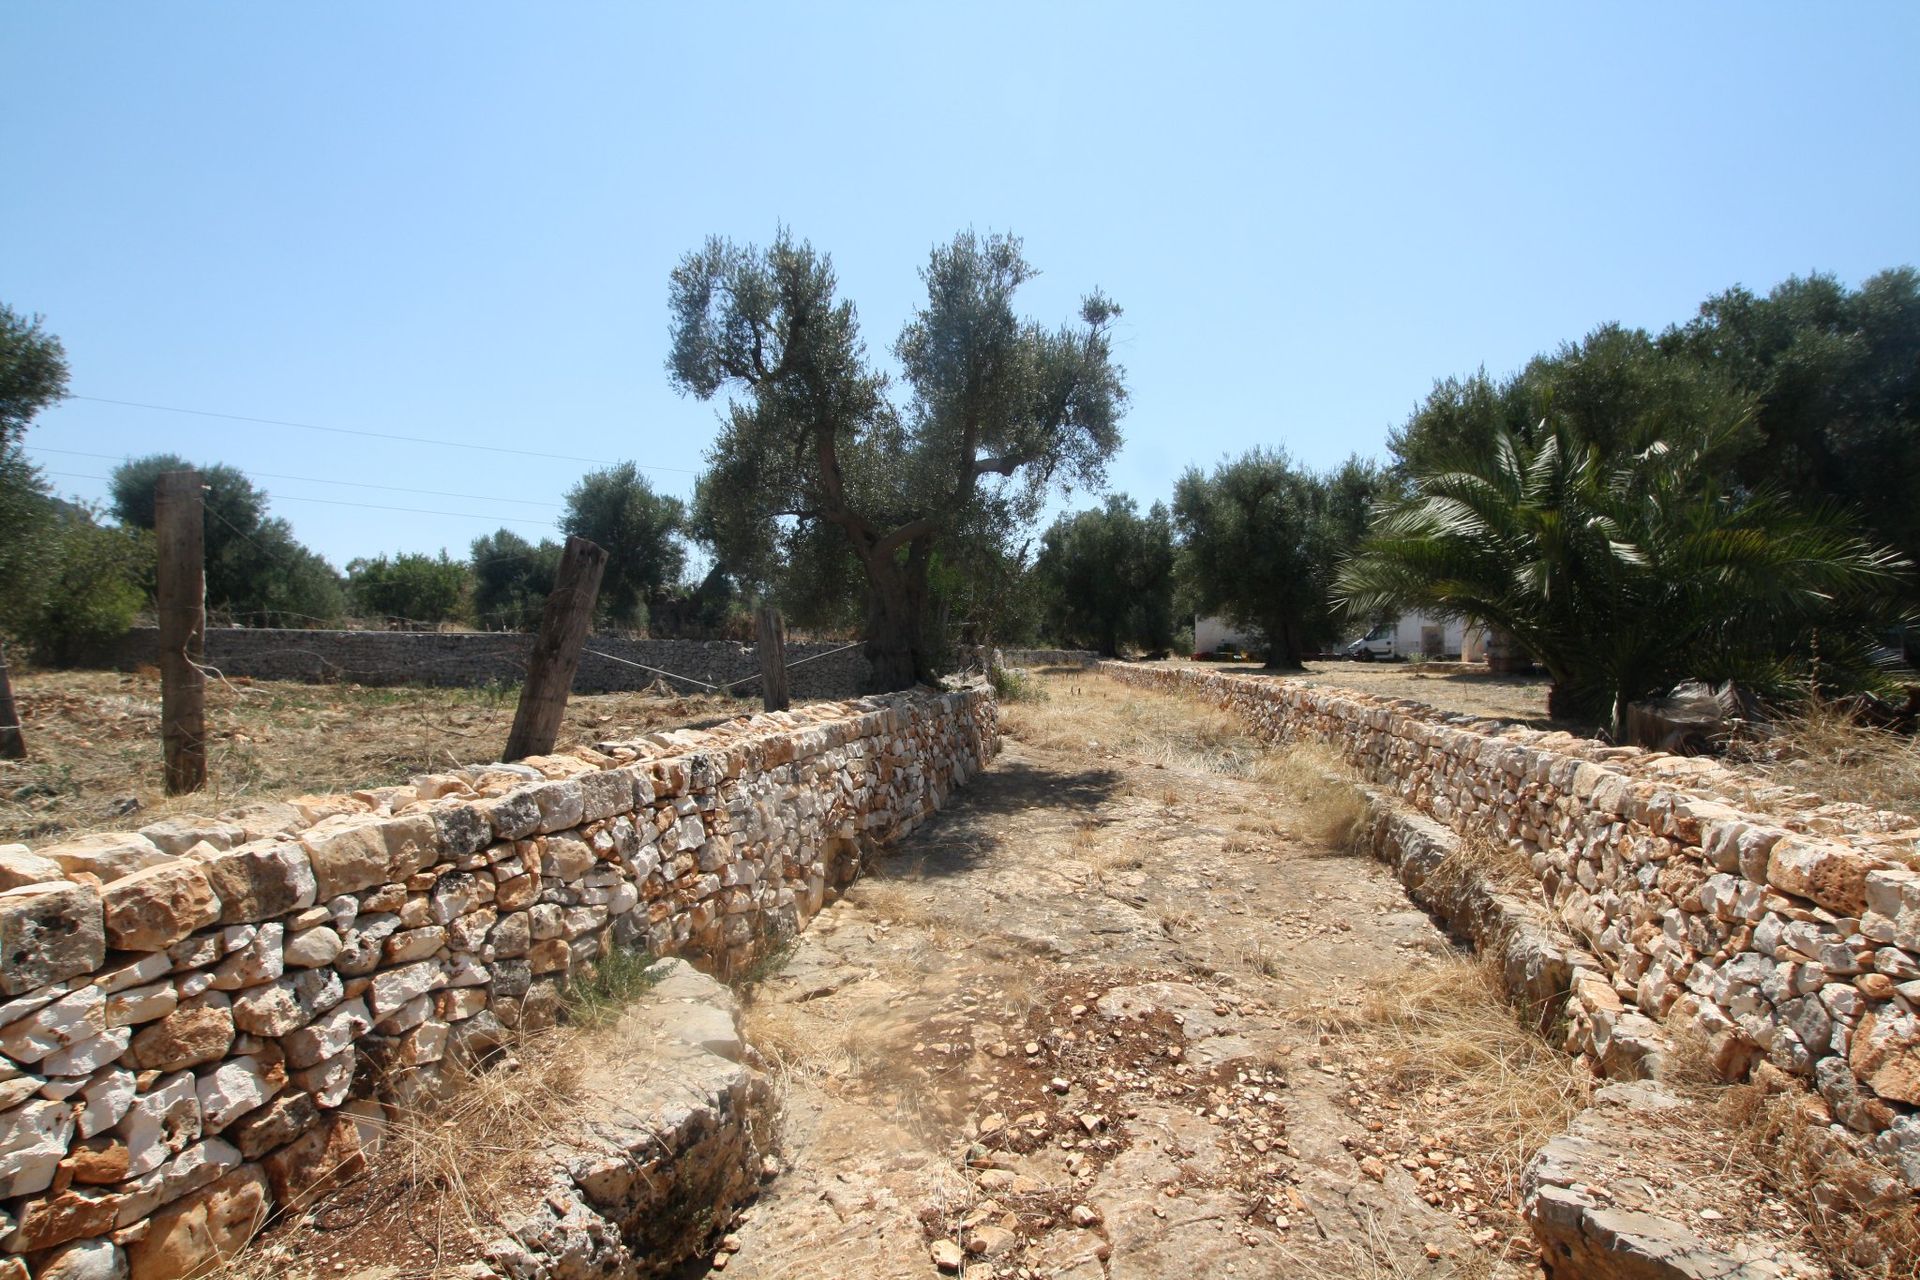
(467, 658)
(1048, 657)
(198, 1020)
(1771, 923)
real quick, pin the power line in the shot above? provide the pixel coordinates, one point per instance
(369, 506)
(351, 484)
(374, 435)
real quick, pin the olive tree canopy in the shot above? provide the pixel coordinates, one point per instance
(994, 412)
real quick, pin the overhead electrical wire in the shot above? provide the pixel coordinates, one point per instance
(374, 435)
(351, 484)
(369, 506)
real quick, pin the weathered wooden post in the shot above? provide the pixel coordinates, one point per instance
(556, 651)
(773, 661)
(13, 736)
(180, 531)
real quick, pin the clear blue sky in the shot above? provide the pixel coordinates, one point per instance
(456, 220)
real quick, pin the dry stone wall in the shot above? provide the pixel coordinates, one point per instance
(1772, 924)
(203, 1018)
(470, 658)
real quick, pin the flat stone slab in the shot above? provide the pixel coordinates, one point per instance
(1604, 1204)
(664, 1142)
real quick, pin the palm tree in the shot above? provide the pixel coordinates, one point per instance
(1622, 575)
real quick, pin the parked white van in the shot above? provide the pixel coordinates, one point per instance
(1415, 635)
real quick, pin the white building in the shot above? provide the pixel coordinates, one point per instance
(1412, 635)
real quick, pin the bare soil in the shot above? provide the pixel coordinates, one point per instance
(93, 742)
(1129, 1009)
(1097, 1020)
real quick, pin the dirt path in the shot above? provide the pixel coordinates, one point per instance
(1092, 1022)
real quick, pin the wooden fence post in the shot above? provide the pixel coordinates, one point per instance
(556, 652)
(180, 530)
(773, 661)
(13, 735)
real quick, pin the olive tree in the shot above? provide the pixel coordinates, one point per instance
(994, 411)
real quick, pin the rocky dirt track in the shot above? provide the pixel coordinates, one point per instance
(1094, 1021)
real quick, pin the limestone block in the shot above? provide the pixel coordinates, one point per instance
(107, 856)
(1885, 1053)
(33, 1140)
(275, 1125)
(190, 1237)
(260, 880)
(395, 987)
(175, 836)
(1893, 908)
(328, 1081)
(461, 829)
(262, 959)
(49, 932)
(413, 842)
(108, 1095)
(605, 794)
(362, 945)
(199, 1030)
(21, 866)
(1831, 875)
(566, 858)
(272, 1009)
(328, 1035)
(513, 816)
(192, 1169)
(85, 1260)
(73, 1214)
(348, 853)
(512, 935)
(230, 1090)
(160, 1123)
(136, 1005)
(71, 1019)
(562, 804)
(157, 906)
(469, 932)
(409, 945)
(311, 948)
(85, 1057)
(458, 893)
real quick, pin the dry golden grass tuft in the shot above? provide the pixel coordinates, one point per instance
(1819, 749)
(1091, 715)
(1448, 1035)
(440, 1172)
(1773, 1132)
(1500, 866)
(1325, 803)
(1088, 714)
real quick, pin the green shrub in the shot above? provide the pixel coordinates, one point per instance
(1011, 684)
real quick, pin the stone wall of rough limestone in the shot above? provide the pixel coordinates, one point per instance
(1774, 924)
(199, 1019)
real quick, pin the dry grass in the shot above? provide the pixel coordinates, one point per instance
(1089, 715)
(94, 742)
(1776, 1142)
(1818, 749)
(1324, 803)
(438, 1173)
(1493, 1086)
(1500, 866)
(1772, 1132)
